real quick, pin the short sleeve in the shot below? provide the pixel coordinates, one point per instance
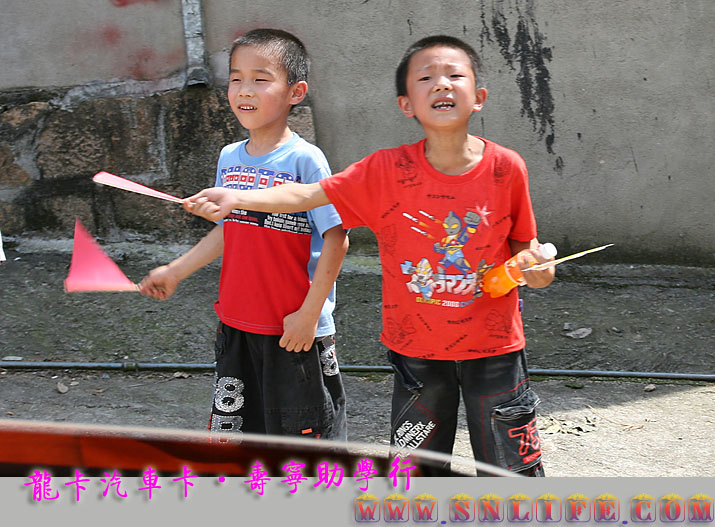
(356, 192)
(219, 180)
(522, 214)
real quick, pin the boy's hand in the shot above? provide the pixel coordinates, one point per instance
(298, 331)
(213, 203)
(536, 279)
(160, 283)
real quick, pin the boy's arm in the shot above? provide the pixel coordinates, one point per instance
(299, 327)
(162, 282)
(216, 203)
(529, 252)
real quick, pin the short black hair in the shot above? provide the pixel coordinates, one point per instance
(430, 42)
(285, 47)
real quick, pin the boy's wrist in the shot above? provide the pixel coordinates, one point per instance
(236, 200)
(310, 312)
(175, 271)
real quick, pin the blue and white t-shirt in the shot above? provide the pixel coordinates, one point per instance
(269, 258)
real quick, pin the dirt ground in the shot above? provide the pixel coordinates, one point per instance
(594, 317)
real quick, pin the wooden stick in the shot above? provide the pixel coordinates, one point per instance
(541, 267)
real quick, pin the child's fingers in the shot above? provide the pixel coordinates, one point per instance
(202, 207)
(191, 202)
(154, 292)
(294, 344)
(523, 259)
(536, 253)
(208, 211)
(284, 342)
(146, 287)
(151, 292)
(153, 288)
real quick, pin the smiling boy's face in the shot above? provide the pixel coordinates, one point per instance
(441, 88)
(258, 89)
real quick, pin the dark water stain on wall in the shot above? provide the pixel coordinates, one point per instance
(522, 45)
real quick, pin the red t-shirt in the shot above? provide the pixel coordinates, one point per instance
(437, 236)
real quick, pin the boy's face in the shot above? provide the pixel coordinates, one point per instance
(441, 88)
(258, 89)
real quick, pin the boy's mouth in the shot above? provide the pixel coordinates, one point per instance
(443, 105)
(246, 107)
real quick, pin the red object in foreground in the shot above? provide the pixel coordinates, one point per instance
(63, 447)
(60, 448)
(91, 269)
(105, 178)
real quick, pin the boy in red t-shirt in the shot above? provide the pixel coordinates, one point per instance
(445, 210)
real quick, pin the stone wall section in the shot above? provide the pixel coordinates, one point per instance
(169, 140)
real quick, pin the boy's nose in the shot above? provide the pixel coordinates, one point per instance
(245, 90)
(442, 83)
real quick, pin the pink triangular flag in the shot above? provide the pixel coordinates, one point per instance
(91, 269)
(105, 178)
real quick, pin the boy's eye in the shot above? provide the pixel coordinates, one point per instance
(425, 78)
(261, 80)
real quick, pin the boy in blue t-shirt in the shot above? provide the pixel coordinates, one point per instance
(276, 369)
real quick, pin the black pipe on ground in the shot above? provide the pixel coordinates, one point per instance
(175, 366)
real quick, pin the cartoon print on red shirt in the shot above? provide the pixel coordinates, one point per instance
(399, 331)
(457, 233)
(496, 321)
(422, 281)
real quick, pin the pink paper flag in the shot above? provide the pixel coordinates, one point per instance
(91, 269)
(105, 178)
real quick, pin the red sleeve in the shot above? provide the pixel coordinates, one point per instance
(355, 192)
(523, 222)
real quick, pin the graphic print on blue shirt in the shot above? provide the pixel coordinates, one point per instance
(246, 177)
(249, 177)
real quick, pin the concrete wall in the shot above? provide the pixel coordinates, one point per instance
(74, 42)
(610, 103)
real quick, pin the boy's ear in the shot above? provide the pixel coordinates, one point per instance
(405, 105)
(298, 91)
(481, 97)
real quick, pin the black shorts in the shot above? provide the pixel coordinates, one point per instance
(501, 415)
(261, 388)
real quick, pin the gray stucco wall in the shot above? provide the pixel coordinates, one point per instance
(610, 103)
